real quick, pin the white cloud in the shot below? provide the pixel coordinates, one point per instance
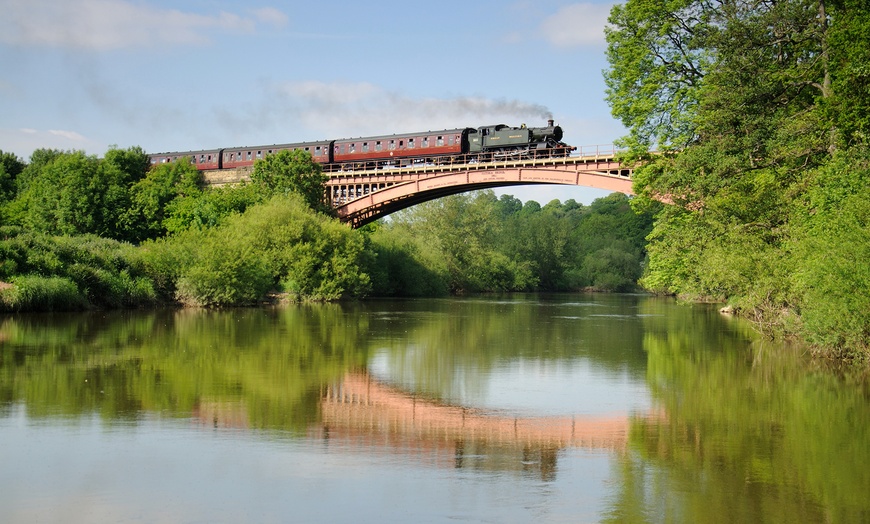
(577, 25)
(271, 16)
(72, 136)
(115, 24)
(24, 141)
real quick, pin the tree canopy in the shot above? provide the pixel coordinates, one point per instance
(755, 109)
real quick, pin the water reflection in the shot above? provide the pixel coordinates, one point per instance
(697, 420)
(175, 363)
(751, 433)
(364, 412)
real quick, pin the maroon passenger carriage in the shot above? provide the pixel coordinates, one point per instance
(202, 159)
(246, 156)
(399, 150)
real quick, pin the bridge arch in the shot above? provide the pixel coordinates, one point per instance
(363, 197)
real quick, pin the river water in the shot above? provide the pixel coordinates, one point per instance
(568, 408)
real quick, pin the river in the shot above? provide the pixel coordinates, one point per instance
(521, 408)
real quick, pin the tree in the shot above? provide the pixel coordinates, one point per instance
(10, 167)
(770, 92)
(658, 59)
(149, 197)
(118, 170)
(292, 171)
(64, 198)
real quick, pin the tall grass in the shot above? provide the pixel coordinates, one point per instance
(37, 293)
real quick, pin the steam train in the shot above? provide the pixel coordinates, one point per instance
(470, 144)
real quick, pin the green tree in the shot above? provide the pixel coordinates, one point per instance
(292, 171)
(150, 196)
(609, 244)
(658, 59)
(210, 207)
(10, 167)
(64, 198)
(70, 193)
(775, 89)
(118, 170)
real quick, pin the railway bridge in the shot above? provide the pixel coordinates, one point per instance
(361, 195)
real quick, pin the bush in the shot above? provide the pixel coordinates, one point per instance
(278, 243)
(101, 270)
(228, 272)
(36, 293)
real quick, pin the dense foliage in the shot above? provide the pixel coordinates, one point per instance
(44, 272)
(760, 112)
(72, 220)
(277, 245)
(476, 242)
(116, 232)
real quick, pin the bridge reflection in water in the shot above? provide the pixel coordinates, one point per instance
(360, 411)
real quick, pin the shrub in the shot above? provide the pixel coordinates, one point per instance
(227, 273)
(37, 293)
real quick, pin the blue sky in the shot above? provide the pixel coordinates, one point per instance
(196, 74)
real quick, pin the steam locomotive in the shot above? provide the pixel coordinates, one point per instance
(482, 144)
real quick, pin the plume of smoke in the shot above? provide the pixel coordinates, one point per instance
(514, 108)
(317, 110)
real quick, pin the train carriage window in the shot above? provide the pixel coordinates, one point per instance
(450, 140)
(401, 143)
(410, 143)
(425, 141)
(249, 155)
(378, 145)
(202, 159)
(440, 141)
(365, 148)
(317, 151)
(259, 155)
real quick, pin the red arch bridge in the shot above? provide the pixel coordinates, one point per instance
(360, 196)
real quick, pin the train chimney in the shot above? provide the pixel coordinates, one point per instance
(550, 123)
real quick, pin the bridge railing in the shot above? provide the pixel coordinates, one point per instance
(599, 151)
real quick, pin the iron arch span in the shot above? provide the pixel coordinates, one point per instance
(360, 198)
